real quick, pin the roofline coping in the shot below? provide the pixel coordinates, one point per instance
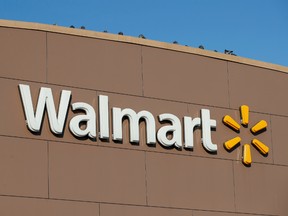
(139, 41)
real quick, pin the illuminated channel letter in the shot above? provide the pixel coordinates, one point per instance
(89, 118)
(207, 124)
(175, 129)
(45, 99)
(247, 159)
(228, 120)
(103, 116)
(260, 146)
(244, 112)
(134, 118)
(259, 126)
(230, 144)
(189, 127)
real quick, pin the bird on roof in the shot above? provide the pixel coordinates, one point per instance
(142, 36)
(229, 52)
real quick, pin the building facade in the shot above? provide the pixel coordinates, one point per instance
(73, 103)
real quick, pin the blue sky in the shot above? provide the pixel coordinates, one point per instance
(256, 29)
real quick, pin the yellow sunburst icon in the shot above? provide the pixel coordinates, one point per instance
(259, 127)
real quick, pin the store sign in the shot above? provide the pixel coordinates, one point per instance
(179, 139)
(258, 128)
(34, 120)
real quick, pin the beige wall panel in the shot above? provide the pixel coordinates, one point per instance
(259, 88)
(23, 54)
(282, 189)
(15, 206)
(255, 188)
(189, 182)
(90, 173)
(244, 214)
(122, 210)
(279, 135)
(209, 213)
(224, 133)
(184, 77)
(23, 167)
(13, 117)
(94, 64)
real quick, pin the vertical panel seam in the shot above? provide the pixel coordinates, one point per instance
(142, 74)
(146, 185)
(234, 186)
(46, 57)
(228, 83)
(48, 169)
(272, 144)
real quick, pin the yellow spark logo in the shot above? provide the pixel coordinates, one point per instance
(231, 144)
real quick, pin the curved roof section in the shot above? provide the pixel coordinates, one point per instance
(139, 41)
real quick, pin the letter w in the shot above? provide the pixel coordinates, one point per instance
(34, 121)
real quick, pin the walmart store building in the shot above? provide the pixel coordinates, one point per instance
(97, 124)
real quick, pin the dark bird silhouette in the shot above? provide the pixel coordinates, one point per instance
(229, 52)
(142, 36)
(201, 47)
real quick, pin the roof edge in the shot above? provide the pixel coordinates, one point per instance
(139, 41)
